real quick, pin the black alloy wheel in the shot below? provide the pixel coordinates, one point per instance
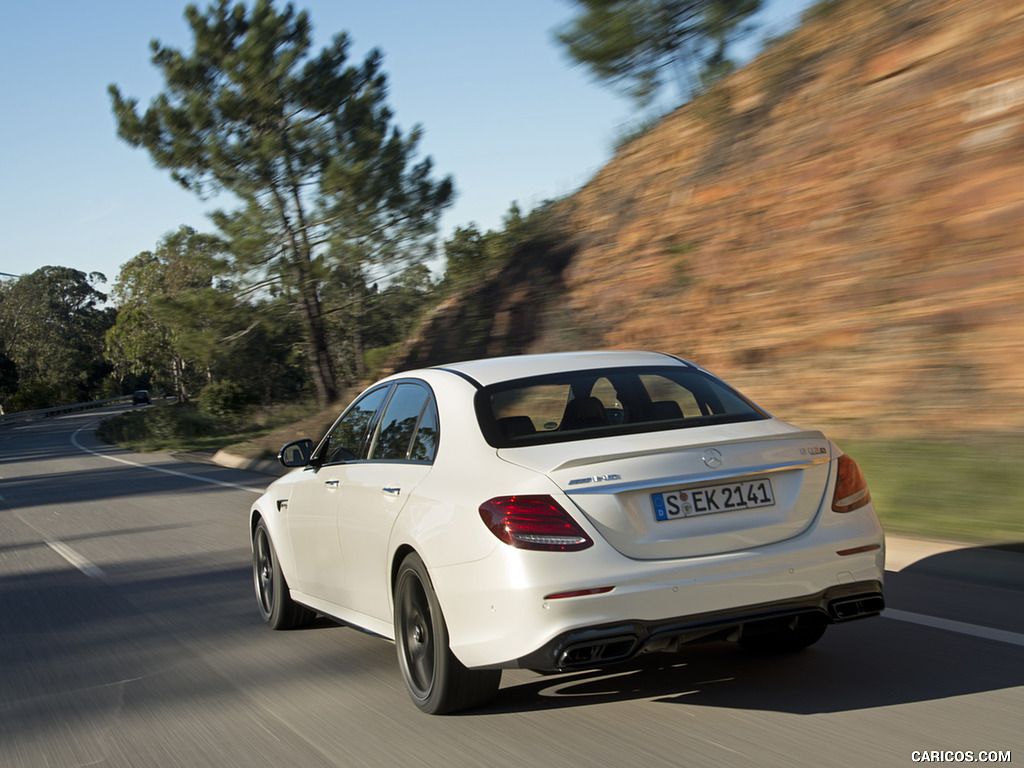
(437, 681)
(276, 606)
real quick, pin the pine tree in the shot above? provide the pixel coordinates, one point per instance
(640, 45)
(305, 144)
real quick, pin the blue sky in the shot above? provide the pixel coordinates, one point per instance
(503, 111)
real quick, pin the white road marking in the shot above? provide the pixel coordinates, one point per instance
(960, 627)
(211, 481)
(75, 559)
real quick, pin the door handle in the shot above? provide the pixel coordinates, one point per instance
(332, 483)
(391, 491)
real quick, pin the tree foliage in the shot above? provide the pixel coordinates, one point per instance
(52, 324)
(305, 144)
(467, 253)
(180, 322)
(640, 45)
(470, 254)
(172, 311)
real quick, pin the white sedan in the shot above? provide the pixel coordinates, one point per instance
(560, 512)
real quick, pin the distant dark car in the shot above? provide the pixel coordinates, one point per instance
(141, 397)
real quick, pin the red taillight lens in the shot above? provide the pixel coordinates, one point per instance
(533, 522)
(851, 487)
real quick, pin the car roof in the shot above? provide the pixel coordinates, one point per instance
(498, 369)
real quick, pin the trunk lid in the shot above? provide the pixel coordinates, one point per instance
(691, 492)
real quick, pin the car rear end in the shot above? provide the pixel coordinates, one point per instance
(651, 525)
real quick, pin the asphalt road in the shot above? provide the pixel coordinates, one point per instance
(129, 636)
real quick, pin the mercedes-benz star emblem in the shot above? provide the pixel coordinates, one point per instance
(712, 458)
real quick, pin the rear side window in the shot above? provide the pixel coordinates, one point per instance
(399, 438)
(424, 447)
(583, 404)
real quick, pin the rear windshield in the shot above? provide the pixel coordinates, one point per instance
(577, 405)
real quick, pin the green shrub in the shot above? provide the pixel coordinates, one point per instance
(176, 422)
(374, 359)
(156, 426)
(33, 396)
(128, 427)
(224, 401)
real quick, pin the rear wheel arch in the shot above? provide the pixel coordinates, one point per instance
(435, 679)
(396, 563)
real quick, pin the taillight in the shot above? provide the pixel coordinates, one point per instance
(851, 487)
(533, 522)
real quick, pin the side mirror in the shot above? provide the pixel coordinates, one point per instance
(296, 453)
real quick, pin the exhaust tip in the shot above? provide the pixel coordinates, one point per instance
(857, 607)
(596, 652)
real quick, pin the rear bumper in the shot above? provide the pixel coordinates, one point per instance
(604, 644)
(507, 610)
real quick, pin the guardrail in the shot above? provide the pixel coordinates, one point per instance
(45, 413)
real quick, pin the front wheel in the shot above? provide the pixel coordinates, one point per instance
(437, 681)
(276, 606)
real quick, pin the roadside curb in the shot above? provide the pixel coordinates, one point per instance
(902, 552)
(990, 565)
(263, 466)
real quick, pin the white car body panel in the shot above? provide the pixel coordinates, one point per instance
(338, 545)
(312, 511)
(498, 625)
(370, 506)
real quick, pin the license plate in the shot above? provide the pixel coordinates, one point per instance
(710, 499)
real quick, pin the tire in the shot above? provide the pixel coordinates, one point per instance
(276, 606)
(798, 633)
(437, 681)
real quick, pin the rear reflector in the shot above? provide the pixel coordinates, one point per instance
(858, 550)
(851, 487)
(579, 593)
(533, 522)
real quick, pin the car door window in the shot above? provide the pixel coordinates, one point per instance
(347, 438)
(424, 447)
(400, 422)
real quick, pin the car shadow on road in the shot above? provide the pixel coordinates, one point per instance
(864, 665)
(997, 565)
